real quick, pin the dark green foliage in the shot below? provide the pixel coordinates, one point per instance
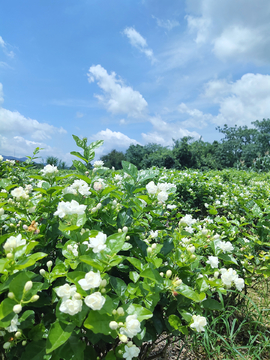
(113, 159)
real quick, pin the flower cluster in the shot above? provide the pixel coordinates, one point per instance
(14, 242)
(97, 243)
(71, 300)
(229, 276)
(69, 208)
(131, 327)
(79, 186)
(161, 190)
(49, 170)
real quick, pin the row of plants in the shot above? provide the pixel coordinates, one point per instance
(99, 264)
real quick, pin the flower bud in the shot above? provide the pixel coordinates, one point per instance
(6, 345)
(103, 283)
(169, 273)
(17, 308)
(120, 311)
(18, 334)
(99, 206)
(119, 230)
(216, 274)
(125, 229)
(34, 298)
(191, 249)
(25, 227)
(42, 272)
(49, 265)
(123, 338)
(114, 312)
(130, 343)
(193, 256)
(177, 282)
(161, 274)
(127, 237)
(77, 296)
(149, 250)
(9, 255)
(154, 246)
(113, 325)
(11, 295)
(103, 291)
(24, 342)
(28, 286)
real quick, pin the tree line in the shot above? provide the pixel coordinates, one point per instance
(241, 147)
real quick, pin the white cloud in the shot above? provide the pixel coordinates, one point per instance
(79, 114)
(240, 102)
(12, 122)
(112, 140)
(117, 98)
(163, 132)
(166, 24)
(196, 118)
(3, 45)
(139, 42)
(236, 30)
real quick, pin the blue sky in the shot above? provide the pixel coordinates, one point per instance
(129, 72)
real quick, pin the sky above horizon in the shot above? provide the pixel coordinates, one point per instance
(129, 72)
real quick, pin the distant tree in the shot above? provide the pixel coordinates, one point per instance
(113, 159)
(62, 165)
(135, 155)
(182, 153)
(52, 160)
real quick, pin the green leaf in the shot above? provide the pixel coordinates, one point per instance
(3, 263)
(30, 260)
(36, 350)
(59, 333)
(152, 274)
(212, 304)
(175, 322)
(125, 217)
(118, 285)
(147, 175)
(135, 262)
(79, 166)
(80, 143)
(17, 284)
(115, 243)
(98, 323)
(189, 293)
(6, 308)
(97, 264)
(130, 169)
(141, 312)
(79, 155)
(228, 258)
(134, 276)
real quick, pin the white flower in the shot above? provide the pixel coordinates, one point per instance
(39, 184)
(198, 323)
(165, 186)
(228, 276)
(187, 220)
(69, 208)
(153, 234)
(95, 301)
(212, 261)
(132, 326)
(19, 193)
(2, 211)
(90, 281)
(98, 163)
(71, 306)
(225, 246)
(11, 162)
(171, 207)
(73, 249)
(191, 249)
(28, 286)
(1, 158)
(66, 291)
(98, 185)
(239, 284)
(162, 196)
(81, 186)
(97, 243)
(131, 352)
(49, 170)
(13, 324)
(151, 188)
(118, 177)
(14, 242)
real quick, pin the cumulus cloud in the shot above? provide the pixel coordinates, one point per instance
(118, 98)
(166, 24)
(163, 132)
(139, 42)
(12, 122)
(240, 102)
(196, 117)
(112, 140)
(231, 28)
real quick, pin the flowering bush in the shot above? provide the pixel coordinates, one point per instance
(95, 264)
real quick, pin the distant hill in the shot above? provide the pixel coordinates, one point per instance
(14, 158)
